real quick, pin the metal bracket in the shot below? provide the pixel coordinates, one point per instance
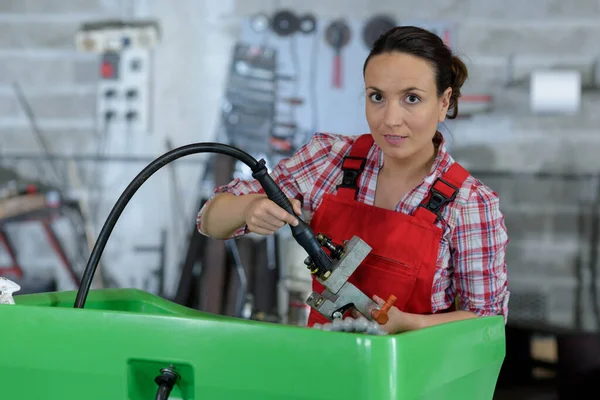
(340, 294)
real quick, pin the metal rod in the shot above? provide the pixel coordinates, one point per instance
(62, 179)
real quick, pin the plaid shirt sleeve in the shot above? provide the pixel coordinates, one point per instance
(296, 175)
(478, 244)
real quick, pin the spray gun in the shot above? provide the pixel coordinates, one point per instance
(318, 261)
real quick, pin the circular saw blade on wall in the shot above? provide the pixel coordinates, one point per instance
(375, 27)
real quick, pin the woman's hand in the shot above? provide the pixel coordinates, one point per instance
(264, 217)
(398, 321)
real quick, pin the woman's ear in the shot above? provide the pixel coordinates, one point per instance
(444, 104)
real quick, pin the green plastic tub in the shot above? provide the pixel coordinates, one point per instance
(116, 346)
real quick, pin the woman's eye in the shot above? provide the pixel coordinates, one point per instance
(376, 97)
(412, 99)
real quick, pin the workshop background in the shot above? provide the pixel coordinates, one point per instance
(81, 115)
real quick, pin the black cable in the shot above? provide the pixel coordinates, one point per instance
(166, 381)
(303, 234)
(162, 393)
(134, 186)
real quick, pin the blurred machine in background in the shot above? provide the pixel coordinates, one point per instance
(34, 215)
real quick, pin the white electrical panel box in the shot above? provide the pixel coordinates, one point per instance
(124, 91)
(125, 70)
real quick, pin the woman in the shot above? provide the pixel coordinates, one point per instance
(437, 233)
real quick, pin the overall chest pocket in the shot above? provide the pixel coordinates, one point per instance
(383, 276)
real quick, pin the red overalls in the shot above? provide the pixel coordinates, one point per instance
(405, 247)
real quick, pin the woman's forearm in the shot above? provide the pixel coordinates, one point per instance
(224, 214)
(417, 321)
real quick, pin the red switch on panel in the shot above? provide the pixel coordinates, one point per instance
(107, 70)
(109, 67)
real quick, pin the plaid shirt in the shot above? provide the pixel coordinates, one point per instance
(471, 258)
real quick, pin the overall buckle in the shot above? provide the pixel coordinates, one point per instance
(437, 199)
(351, 174)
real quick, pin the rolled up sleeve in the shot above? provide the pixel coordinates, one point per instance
(295, 175)
(238, 187)
(479, 243)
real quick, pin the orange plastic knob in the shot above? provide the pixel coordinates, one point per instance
(381, 315)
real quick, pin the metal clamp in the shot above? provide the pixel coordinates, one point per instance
(340, 295)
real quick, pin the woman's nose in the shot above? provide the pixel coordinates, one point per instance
(394, 115)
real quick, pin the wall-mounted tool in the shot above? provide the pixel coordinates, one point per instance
(285, 23)
(260, 23)
(337, 35)
(249, 106)
(375, 27)
(308, 23)
(340, 295)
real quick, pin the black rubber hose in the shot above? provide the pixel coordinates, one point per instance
(302, 233)
(166, 381)
(163, 393)
(109, 224)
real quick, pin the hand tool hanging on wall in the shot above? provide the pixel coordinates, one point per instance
(259, 22)
(285, 23)
(375, 27)
(337, 35)
(308, 23)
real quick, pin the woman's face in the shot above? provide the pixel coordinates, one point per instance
(402, 106)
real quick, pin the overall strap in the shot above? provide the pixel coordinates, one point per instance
(353, 165)
(442, 192)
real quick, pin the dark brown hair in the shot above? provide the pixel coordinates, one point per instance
(449, 70)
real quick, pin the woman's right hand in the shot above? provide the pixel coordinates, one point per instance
(264, 217)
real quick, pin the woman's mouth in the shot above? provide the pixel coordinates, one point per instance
(395, 139)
